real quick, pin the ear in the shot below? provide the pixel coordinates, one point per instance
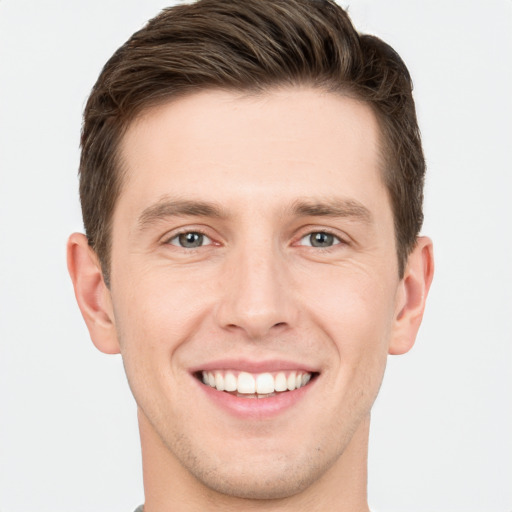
(92, 294)
(412, 295)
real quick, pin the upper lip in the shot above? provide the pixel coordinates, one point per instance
(251, 366)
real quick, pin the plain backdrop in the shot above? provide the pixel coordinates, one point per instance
(442, 425)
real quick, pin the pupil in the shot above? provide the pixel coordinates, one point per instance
(191, 240)
(321, 240)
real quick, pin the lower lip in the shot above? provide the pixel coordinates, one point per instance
(256, 408)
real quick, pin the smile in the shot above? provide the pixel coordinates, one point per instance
(251, 385)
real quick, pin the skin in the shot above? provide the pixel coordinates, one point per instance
(256, 290)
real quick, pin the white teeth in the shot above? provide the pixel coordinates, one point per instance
(219, 381)
(230, 382)
(264, 384)
(255, 386)
(290, 383)
(280, 383)
(246, 383)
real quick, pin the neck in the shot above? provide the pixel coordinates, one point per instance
(170, 486)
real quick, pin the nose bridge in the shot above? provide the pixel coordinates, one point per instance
(256, 297)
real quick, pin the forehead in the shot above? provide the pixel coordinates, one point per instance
(227, 146)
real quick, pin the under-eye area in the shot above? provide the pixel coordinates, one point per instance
(255, 385)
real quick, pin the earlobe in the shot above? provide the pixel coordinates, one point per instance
(92, 294)
(415, 286)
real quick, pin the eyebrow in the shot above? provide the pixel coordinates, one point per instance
(336, 207)
(179, 208)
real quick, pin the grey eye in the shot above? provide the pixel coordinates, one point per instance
(320, 239)
(190, 240)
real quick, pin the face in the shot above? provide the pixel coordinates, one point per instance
(254, 283)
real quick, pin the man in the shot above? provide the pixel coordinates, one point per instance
(251, 185)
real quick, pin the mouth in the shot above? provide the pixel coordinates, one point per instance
(255, 385)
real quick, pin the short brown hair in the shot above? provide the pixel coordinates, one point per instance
(249, 45)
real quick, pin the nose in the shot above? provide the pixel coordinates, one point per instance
(257, 293)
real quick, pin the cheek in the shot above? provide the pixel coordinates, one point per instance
(153, 320)
(358, 324)
(159, 308)
(354, 307)
(155, 316)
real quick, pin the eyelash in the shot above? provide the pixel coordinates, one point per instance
(199, 232)
(337, 240)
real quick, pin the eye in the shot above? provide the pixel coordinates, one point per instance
(190, 240)
(320, 239)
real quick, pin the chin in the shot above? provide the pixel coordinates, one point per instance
(262, 483)
(269, 474)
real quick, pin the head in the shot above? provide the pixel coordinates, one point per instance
(251, 183)
(250, 47)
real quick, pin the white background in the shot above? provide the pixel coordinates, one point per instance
(442, 426)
